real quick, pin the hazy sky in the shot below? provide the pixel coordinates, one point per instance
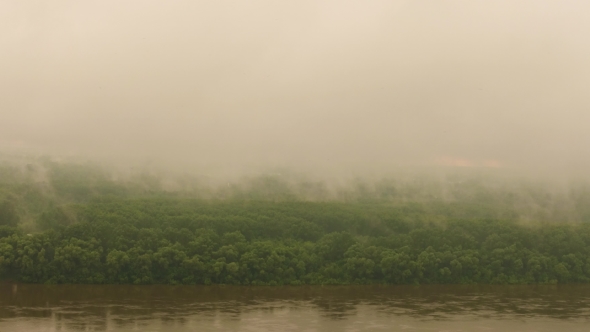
(333, 84)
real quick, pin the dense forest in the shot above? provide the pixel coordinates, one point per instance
(75, 223)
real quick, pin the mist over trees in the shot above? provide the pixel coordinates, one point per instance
(482, 103)
(65, 222)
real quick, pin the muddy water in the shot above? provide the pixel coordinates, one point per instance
(334, 308)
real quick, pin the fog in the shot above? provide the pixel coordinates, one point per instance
(326, 86)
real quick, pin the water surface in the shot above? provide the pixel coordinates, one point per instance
(314, 308)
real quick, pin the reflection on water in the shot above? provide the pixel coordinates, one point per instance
(345, 308)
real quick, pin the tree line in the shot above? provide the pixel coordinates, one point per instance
(168, 240)
(75, 223)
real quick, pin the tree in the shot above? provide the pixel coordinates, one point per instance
(8, 213)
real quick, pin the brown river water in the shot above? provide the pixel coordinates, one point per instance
(49, 308)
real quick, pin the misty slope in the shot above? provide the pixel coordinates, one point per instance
(29, 188)
(89, 227)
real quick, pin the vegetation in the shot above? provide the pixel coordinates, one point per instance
(77, 225)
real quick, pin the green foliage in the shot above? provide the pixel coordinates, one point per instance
(187, 241)
(8, 213)
(88, 228)
(80, 182)
(54, 217)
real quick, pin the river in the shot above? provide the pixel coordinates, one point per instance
(448, 308)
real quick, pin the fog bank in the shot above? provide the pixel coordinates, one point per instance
(318, 86)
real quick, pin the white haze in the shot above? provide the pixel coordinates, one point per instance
(327, 86)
